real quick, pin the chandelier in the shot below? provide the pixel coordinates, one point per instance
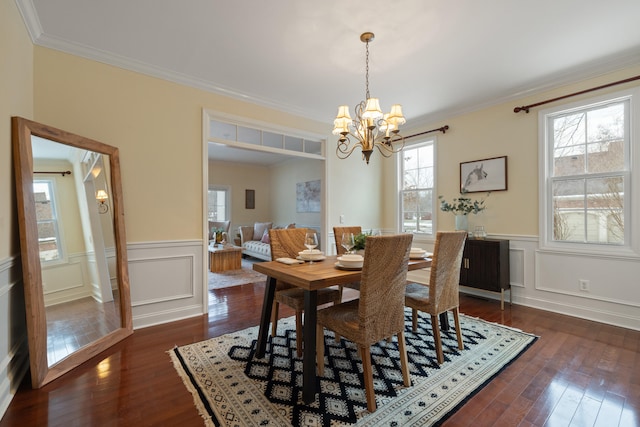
(371, 127)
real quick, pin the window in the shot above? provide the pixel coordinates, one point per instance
(218, 204)
(587, 176)
(49, 240)
(416, 188)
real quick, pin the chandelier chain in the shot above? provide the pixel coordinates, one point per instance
(367, 71)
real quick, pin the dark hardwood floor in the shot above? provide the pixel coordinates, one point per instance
(579, 373)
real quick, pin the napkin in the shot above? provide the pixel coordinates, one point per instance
(289, 261)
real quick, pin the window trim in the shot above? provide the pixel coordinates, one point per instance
(58, 230)
(227, 201)
(631, 248)
(418, 237)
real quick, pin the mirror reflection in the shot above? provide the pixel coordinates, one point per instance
(72, 245)
(76, 244)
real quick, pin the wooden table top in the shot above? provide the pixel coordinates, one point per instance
(320, 274)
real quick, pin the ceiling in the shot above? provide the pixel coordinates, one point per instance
(436, 58)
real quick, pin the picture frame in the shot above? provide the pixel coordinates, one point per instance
(484, 175)
(249, 199)
(308, 196)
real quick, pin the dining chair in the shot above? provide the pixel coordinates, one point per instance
(378, 313)
(340, 250)
(339, 231)
(441, 294)
(286, 243)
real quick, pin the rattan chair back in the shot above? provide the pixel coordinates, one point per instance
(337, 235)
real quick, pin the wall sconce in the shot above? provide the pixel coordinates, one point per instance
(102, 197)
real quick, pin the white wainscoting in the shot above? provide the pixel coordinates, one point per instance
(14, 354)
(550, 281)
(166, 281)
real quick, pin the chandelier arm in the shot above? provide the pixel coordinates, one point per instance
(342, 149)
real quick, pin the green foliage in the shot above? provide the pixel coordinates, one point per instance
(360, 239)
(462, 205)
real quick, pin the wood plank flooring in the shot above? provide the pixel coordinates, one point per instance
(579, 373)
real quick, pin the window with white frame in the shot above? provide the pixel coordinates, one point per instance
(416, 187)
(219, 208)
(586, 182)
(49, 240)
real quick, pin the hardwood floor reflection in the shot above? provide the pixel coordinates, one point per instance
(579, 373)
(74, 324)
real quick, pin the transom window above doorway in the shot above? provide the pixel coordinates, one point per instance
(264, 137)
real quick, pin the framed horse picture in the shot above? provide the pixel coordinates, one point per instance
(484, 175)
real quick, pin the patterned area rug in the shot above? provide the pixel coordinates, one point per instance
(231, 388)
(230, 278)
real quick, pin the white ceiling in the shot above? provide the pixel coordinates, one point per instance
(436, 58)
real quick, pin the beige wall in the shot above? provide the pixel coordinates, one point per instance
(498, 131)
(157, 125)
(240, 177)
(275, 190)
(16, 99)
(284, 178)
(355, 189)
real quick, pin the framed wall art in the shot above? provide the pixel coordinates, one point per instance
(308, 196)
(249, 199)
(484, 175)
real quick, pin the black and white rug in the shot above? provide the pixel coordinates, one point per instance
(231, 388)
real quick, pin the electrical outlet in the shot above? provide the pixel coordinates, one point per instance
(342, 219)
(584, 285)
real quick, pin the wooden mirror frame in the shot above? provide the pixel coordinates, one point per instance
(41, 372)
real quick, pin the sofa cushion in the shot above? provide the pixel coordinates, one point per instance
(265, 237)
(258, 229)
(257, 249)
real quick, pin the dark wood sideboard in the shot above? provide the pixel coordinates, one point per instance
(485, 265)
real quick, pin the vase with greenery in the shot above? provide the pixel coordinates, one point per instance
(218, 234)
(461, 207)
(360, 239)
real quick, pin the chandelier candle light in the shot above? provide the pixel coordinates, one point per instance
(371, 127)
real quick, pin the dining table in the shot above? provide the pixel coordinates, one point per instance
(309, 276)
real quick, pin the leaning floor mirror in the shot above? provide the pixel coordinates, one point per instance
(73, 247)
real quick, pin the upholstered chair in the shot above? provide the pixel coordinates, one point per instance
(378, 313)
(286, 243)
(442, 293)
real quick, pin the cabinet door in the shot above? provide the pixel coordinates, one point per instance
(481, 265)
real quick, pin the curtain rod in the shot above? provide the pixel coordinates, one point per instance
(443, 129)
(63, 173)
(526, 108)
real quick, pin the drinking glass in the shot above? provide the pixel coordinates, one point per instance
(348, 242)
(310, 241)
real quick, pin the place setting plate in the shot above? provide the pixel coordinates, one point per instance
(342, 267)
(344, 263)
(316, 256)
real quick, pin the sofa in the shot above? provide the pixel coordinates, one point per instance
(255, 240)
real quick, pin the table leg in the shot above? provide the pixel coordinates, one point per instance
(309, 378)
(265, 319)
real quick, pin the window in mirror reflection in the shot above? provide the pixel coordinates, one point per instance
(49, 240)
